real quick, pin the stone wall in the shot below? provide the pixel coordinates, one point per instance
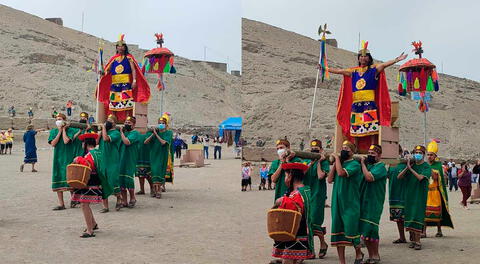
(216, 65)
(259, 153)
(56, 20)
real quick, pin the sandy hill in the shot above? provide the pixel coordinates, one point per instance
(43, 64)
(279, 79)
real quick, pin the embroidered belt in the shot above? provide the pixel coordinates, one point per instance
(120, 78)
(363, 96)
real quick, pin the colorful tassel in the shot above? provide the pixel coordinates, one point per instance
(434, 75)
(400, 89)
(430, 86)
(436, 87)
(416, 84)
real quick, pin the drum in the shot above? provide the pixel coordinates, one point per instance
(78, 176)
(283, 224)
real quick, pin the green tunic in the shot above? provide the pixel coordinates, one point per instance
(372, 197)
(396, 193)
(416, 197)
(100, 166)
(319, 195)
(161, 158)
(280, 187)
(63, 155)
(143, 162)
(346, 205)
(446, 219)
(128, 160)
(307, 205)
(111, 158)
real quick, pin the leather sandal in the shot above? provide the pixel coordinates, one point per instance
(58, 208)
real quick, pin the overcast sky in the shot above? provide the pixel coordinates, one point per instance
(449, 30)
(188, 25)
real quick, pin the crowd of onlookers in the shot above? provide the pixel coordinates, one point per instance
(6, 141)
(209, 143)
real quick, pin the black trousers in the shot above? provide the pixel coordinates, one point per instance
(178, 152)
(219, 150)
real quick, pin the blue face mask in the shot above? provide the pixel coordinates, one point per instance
(418, 156)
(161, 126)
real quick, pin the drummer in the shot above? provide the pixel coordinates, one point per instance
(97, 186)
(297, 197)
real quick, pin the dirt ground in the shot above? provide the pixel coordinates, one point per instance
(194, 222)
(203, 218)
(459, 245)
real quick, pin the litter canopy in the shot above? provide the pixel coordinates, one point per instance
(231, 125)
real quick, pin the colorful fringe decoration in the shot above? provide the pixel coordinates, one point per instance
(323, 52)
(417, 75)
(159, 60)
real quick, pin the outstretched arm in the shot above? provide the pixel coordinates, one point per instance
(337, 71)
(380, 67)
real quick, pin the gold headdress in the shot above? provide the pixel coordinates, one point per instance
(120, 41)
(364, 50)
(432, 147)
(350, 145)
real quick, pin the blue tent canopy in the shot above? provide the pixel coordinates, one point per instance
(231, 123)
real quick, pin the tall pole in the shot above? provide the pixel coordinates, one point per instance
(425, 128)
(161, 96)
(313, 103)
(358, 45)
(204, 53)
(83, 17)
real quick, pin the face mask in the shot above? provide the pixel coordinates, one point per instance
(128, 127)
(83, 121)
(418, 156)
(108, 125)
(280, 152)
(370, 159)
(59, 123)
(161, 126)
(315, 151)
(344, 155)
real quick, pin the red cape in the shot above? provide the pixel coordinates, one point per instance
(344, 105)
(140, 94)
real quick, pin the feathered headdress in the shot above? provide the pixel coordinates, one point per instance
(159, 39)
(364, 49)
(121, 41)
(418, 48)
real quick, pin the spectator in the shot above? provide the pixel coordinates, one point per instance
(178, 144)
(30, 113)
(246, 179)
(54, 112)
(206, 143)
(9, 141)
(264, 176)
(474, 175)
(465, 183)
(217, 142)
(11, 111)
(302, 145)
(194, 139)
(3, 143)
(69, 107)
(30, 148)
(91, 119)
(476, 170)
(453, 177)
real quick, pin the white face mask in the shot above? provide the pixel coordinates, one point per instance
(280, 152)
(59, 123)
